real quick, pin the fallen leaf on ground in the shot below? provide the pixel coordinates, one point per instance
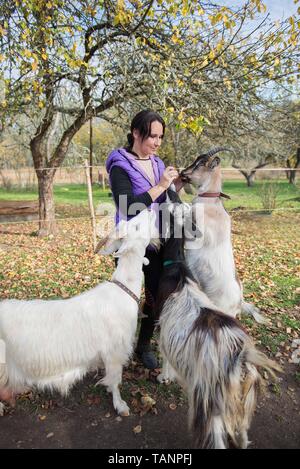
(137, 429)
(148, 401)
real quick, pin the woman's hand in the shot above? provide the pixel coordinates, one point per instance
(168, 177)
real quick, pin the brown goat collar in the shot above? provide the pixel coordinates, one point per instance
(214, 194)
(126, 290)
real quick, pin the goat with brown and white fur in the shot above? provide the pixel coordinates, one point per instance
(212, 261)
(208, 353)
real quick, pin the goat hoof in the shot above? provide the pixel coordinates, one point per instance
(245, 444)
(2, 407)
(162, 379)
(123, 409)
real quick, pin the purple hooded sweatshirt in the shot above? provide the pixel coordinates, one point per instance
(139, 179)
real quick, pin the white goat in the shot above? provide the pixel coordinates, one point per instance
(54, 343)
(210, 258)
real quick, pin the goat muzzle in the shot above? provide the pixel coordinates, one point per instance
(184, 177)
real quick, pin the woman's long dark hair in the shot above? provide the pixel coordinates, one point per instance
(142, 122)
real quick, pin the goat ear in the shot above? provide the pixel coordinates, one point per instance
(214, 162)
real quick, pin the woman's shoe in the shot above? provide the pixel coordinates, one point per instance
(148, 359)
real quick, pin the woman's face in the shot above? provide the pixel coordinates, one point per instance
(151, 144)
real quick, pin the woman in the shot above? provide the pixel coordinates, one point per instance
(138, 176)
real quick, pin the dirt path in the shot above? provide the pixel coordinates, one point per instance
(85, 420)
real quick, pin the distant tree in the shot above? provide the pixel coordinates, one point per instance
(286, 122)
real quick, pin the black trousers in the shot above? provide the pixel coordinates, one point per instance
(152, 273)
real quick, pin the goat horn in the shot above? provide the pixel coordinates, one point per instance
(211, 152)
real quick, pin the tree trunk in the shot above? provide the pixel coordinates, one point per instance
(91, 149)
(292, 176)
(46, 167)
(250, 175)
(250, 179)
(289, 173)
(47, 223)
(292, 173)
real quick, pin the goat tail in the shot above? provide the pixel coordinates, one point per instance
(251, 387)
(260, 360)
(223, 396)
(208, 429)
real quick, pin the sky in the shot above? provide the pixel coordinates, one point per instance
(280, 9)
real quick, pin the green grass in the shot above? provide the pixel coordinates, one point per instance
(286, 287)
(249, 197)
(283, 292)
(74, 194)
(241, 195)
(292, 323)
(271, 341)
